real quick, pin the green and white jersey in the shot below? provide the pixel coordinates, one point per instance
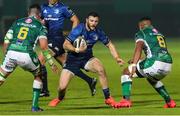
(24, 34)
(154, 44)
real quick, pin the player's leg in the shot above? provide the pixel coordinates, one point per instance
(154, 74)
(126, 83)
(30, 62)
(3, 75)
(90, 81)
(95, 65)
(7, 67)
(66, 76)
(160, 88)
(37, 85)
(44, 90)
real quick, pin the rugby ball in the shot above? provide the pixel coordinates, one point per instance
(79, 41)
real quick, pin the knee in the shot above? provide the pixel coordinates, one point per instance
(37, 84)
(101, 71)
(126, 71)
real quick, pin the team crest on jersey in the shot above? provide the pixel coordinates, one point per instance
(45, 11)
(95, 37)
(28, 20)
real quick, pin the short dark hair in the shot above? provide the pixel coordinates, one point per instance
(94, 14)
(36, 6)
(145, 19)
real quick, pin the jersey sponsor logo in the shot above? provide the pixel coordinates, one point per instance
(56, 11)
(27, 25)
(28, 20)
(51, 19)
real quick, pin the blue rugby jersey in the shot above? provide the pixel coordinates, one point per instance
(54, 16)
(91, 38)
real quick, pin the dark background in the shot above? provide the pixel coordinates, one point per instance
(118, 17)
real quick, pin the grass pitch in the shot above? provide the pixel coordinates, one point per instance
(16, 93)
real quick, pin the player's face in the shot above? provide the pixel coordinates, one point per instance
(52, 1)
(144, 24)
(92, 22)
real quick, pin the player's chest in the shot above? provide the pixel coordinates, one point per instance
(91, 37)
(53, 13)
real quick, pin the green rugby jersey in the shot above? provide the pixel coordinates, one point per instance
(24, 34)
(154, 44)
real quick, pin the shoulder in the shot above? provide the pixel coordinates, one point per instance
(139, 36)
(100, 30)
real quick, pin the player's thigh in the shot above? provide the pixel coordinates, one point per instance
(65, 78)
(29, 62)
(94, 65)
(9, 62)
(61, 58)
(157, 71)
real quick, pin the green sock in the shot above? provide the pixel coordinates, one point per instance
(162, 91)
(126, 89)
(35, 100)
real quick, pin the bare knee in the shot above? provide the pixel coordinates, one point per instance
(126, 71)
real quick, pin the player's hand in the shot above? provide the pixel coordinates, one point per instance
(41, 58)
(120, 61)
(130, 61)
(81, 49)
(55, 69)
(133, 71)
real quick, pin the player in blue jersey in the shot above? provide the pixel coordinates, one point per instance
(82, 58)
(54, 13)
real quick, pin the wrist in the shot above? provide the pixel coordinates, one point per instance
(76, 50)
(133, 65)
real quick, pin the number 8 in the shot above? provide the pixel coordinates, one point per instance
(161, 41)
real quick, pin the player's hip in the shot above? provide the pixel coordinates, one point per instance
(153, 69)
(27, 61)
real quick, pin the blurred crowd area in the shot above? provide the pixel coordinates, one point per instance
(118, 17)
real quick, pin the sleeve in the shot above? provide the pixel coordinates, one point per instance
(9, 35)
(139, 37)
(76, 32)
(103, 37)
(67, 12)
(43, 32)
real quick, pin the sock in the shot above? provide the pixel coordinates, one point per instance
(61, 94)
(162, 91)
(106, 93)
(44, 79)
(36, 93)
(83, 76)
(126, 83)
(126, 90)
(159, 87)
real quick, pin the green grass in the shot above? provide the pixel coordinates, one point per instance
(16, 93)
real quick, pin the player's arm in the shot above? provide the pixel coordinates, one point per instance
(46, 53)
(7, 39)
(137, 52)
(69, 47)
(114, 53)
(75, 21)
(136, 56)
